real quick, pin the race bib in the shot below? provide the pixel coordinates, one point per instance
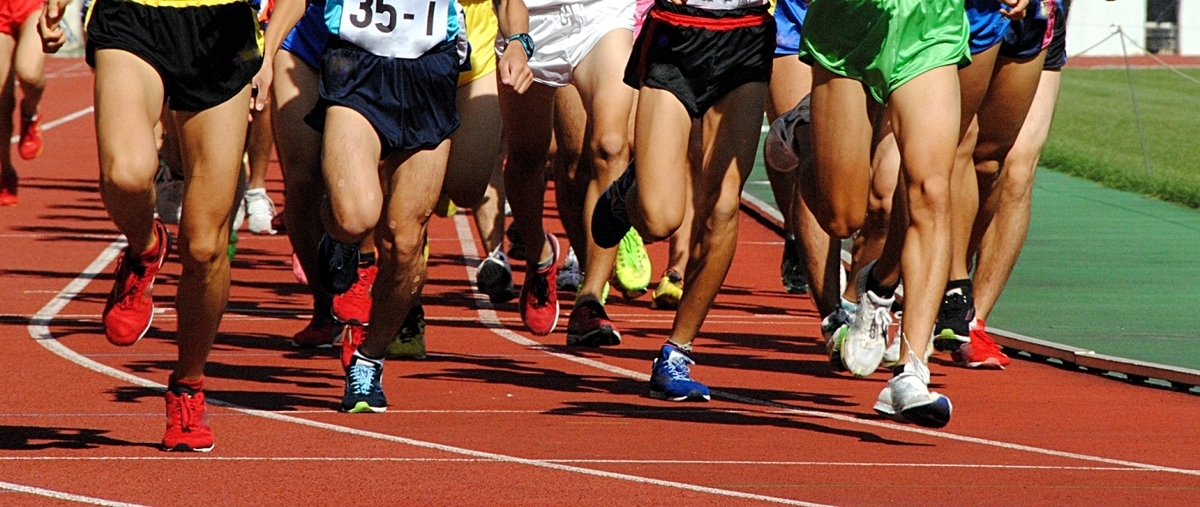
(395, 28)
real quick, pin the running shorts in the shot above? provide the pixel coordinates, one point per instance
(1027, 37)
(204, 51)
(308, 38)
(789, 18)
(410, 102)
(482, 28)
(700, 55)
(987, 24)
(885, 43)
(14, 13)
(639, 18)
(1056, 51)
(564, 34)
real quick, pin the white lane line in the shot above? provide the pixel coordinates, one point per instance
(59, 495)
(51, 124)
(40, 331)
(573, 461)
(487, 319)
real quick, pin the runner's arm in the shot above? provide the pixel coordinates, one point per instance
(53, 36)
(513, 66)
(283, 19)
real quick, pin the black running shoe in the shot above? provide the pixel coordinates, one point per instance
(337, 265)
(795, 280)
(516, 247)
(953, 327)
(610, 219)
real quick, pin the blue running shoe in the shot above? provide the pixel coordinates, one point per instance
(364, 386)
(610, 220)
(669, 378)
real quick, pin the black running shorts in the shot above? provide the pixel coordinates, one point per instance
(701, 55)
(1056, 52)
(205, 55)
(410, 102)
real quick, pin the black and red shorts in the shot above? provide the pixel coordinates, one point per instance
(205, 55)
(701, 55)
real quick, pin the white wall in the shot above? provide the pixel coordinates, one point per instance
(1189, 27)
(1090, 21)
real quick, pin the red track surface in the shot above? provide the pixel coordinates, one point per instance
(494, 417)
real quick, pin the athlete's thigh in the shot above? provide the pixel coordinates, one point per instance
(528, 121)
(212, 142)
(841, 137)
(606, 97)
(791, 80)
(1014, 83)
(30, 61)
(476, 144)
(415, 186)
(129, 102)
(350, 161)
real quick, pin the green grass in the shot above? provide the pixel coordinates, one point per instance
(1095, 134)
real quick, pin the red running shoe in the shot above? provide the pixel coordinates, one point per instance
(320, 333)
(30, 145)
(352, 336)
(981, 351)
(354, 305)
(130, 308)
(589, 325)
(8, 189)
(186, 428)
(539, 294)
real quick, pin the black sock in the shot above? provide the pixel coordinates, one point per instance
(897, 370)
(366, 259)
(877, 287)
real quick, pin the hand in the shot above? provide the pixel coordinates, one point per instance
(53, 35)
(514, 68)
(260, 86)
(1016, 9)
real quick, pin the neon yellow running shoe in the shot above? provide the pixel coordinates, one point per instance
(669, 291)
(409, 342)
(633, 269)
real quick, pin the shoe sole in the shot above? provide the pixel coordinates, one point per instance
(692, 396)
(496, 283)
(934, 414)
(665, 302)
(363, 407)
(603, 337)
(140, 335)
(188, 448)
(949, 341)
(990, 363)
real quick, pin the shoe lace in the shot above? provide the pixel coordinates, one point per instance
(256, 204)
(131, 279)
(361, 287)
(185, 411)
(361, 378)
(954, 306)
(342, 256)
(881, 321)
(677, 367)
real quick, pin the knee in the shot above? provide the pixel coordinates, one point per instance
(929, 198)
(609, 146)
(525, 160)
(128, 170)
(30, 77)
(1018, 182)
(660, 222)
(353, 218)
(404, 244)
(199, 248)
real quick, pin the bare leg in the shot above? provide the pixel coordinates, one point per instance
(8, 100)
(1001, 244)
(571, 176)
(475, 146)
(528, 123)
(662, 122)
(489, 212)
(30, 62)
(973, 81)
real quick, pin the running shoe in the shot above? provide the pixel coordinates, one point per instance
(795, 279)
(187, 429)
(30, 145)
(610, 220)
(570, 277)
(279, 223)
(130, 307)
(539, 296)
(353, 335)
(834, 327)
(589, 325)
(981, 351)
(906, 397)
(670, 378)
(337, 265)
(354, 305)
(231, 250)
(669, 291)
(364, 385)
(891, 356)
(633, 271)
(8, 188)
(953, 327)
(516, 247)
(865, 339)
(409, 342)
(238, 213)
(494, 278)
(445, 207)
(168, 191)
(780, 150)
(260, 211)
(320, 333)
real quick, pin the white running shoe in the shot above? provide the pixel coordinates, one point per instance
(865, 339)
(907, 398)
(260, 210)
(570, 277)
(494, 278)
(169, 190)
(782, 151)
